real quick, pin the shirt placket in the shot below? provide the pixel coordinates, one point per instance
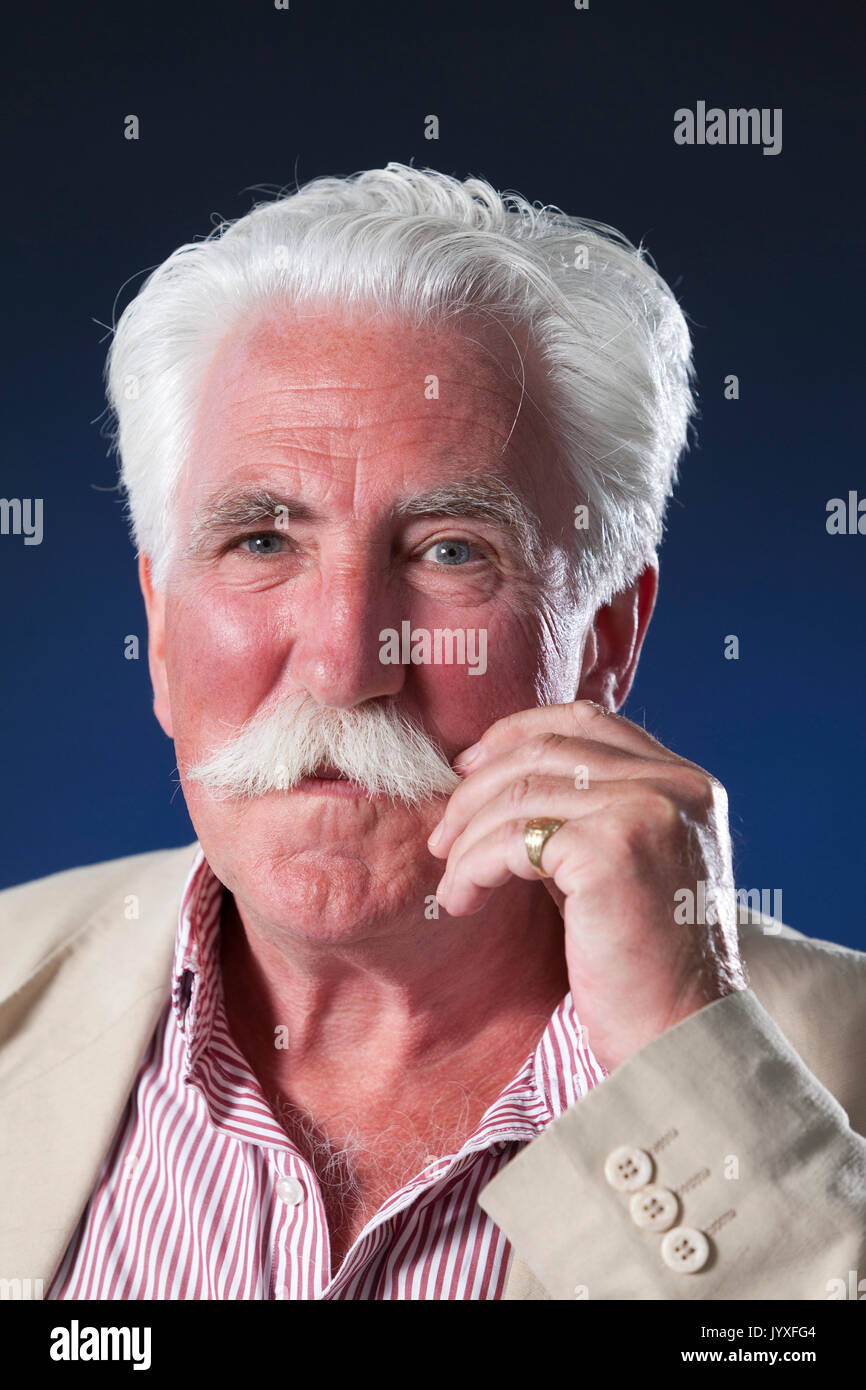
(300, 1249)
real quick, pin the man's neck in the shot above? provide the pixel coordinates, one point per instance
(398, 1010)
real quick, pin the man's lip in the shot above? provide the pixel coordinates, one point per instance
(329, 774)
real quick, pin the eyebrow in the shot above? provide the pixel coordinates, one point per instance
(486, 499)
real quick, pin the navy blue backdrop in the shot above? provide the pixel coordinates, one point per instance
(574, 107)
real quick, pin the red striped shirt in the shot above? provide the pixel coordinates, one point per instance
(203, 1195)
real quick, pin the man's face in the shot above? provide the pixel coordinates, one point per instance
(344, 421)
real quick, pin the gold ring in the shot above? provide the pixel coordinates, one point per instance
(536, 834)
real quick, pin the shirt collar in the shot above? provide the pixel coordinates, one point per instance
(195, 943)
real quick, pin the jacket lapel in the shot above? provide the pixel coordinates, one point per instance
(75, 1032)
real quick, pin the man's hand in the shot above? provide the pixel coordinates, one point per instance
(641, 825)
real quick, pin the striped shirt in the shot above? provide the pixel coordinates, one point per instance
(203, 1195)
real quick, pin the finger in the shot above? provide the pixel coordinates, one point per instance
(578, 763)
(580, 719)
(500, 855)
(660, 802)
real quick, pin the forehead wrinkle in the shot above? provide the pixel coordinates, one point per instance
(485, 383)
(258, 394)
(278, 438)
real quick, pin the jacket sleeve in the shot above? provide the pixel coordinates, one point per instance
(710, 1165)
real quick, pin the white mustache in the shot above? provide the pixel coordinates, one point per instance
(385, 751)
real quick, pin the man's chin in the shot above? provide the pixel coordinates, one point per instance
(328, 887)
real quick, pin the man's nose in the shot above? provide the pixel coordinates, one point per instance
(336, 637)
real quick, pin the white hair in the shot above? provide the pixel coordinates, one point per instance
(611, 340)
(373, 744)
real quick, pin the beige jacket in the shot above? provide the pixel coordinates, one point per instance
(741, 1109)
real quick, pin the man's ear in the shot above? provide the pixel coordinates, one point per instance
(614, 641)
(154, 603)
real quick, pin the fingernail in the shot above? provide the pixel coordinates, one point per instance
(436, 836)
(464, 759)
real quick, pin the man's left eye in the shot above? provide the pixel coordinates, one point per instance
(265, 543)
(451, 552)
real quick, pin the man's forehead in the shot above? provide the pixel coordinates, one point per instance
(332, 349)
(317, 402)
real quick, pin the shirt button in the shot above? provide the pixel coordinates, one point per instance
(628, 1169)
(685, 1249)
(656, 1207)
(289, 1190)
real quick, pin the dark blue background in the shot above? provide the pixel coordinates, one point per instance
(574, 108)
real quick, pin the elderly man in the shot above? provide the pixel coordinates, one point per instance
(421, 1014)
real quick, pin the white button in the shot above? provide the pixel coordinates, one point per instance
(657, 1207)
(628, 1168)
(290, 1190)
(685, 1249)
